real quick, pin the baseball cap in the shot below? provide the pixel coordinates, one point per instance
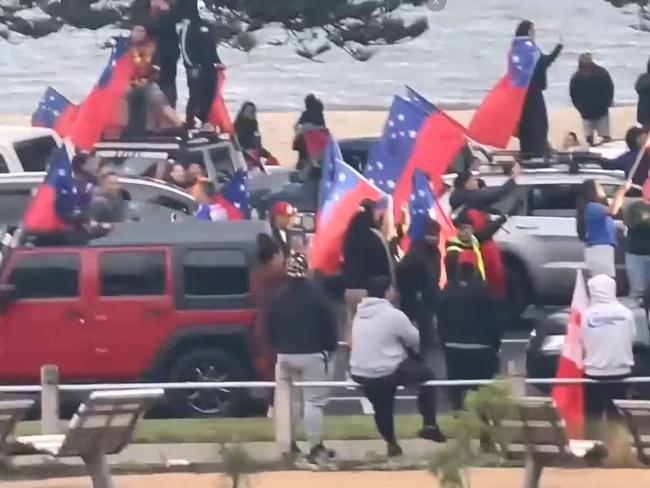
(283, 209)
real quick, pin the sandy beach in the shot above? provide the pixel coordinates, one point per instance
(480, 478)
(277, 127)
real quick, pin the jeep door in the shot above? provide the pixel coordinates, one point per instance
(44, 320)
(132, 309)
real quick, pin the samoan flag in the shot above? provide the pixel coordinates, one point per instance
(235, 198)
(332, 157)
(419, 101)
(100, 109)
(348, 191)
(56, 112)
(219, 116)
(57, 202)
(496, 120)
(388, 158)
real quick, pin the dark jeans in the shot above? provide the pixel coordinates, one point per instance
(202, 89)
(468, 364)
(381, 394)
(167, 80)
(599, 398)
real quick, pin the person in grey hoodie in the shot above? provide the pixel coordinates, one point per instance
(608, 332)
(384, 344)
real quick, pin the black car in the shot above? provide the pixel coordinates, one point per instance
(547, 340)
(149, 199)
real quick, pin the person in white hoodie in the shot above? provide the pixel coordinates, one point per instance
(383, 357)
(608, 332)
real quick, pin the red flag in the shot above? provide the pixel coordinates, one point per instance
(496, 119)
(55, 112)
(438, 142)
(99, 110)
(348, 190)
(315, 142)
(569, 399)
(219, 115)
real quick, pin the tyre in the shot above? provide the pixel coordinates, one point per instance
(207, 365)
(518, 290)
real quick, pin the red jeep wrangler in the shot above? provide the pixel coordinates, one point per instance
(149, 302)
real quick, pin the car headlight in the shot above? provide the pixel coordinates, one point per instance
(552, 344)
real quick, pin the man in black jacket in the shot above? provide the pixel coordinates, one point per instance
(592, 93)
(468, 324)
(199, 51)
(417, 276)
(302, 329)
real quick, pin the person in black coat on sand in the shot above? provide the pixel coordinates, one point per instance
(643, 107)
(533, 124)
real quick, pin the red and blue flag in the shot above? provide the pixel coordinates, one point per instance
(348, 190)
(496, 120)
(419, 101)
(100, 109)
(332, 157)
(57, 202)
(235, 198)
(56, 112)
(219, 116)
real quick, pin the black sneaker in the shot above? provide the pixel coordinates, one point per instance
(295, 450)
(394, 450)
(432, 433)
(319, 455)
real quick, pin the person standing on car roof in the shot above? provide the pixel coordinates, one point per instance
(474, 201)
(469, 329)
(608, 331)
(302, 329)
(533, 124)
(282, 219)
(199, 51)
(596, 228)
(162, 21)
(592, 93)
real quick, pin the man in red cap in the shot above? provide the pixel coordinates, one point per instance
(282, 220)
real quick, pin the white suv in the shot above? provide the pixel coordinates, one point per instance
(26, 149)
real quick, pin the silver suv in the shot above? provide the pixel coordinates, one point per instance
(540, 244)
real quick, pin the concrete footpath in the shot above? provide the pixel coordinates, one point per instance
(206, 457)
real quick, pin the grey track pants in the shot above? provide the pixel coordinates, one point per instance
(291, 368)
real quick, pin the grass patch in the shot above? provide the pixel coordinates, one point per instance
(250, 429)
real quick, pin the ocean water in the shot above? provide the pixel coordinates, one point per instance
(455, 63)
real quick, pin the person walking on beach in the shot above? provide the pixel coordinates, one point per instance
(302, 330)
(608, 331)
(384, 356)
(642, 87)
(596, 228)
(592, 93)
(533, 124)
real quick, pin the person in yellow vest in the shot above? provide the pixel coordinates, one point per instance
(463, 248)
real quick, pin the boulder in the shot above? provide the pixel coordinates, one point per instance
(4, 32)
(80, 13)
(33, 22)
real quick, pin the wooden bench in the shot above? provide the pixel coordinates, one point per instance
(103, 425)
(637, 418)
(536, 434)
(11, 412)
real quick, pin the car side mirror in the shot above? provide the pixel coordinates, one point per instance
(7, 296)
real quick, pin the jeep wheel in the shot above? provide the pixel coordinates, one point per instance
(207, 365)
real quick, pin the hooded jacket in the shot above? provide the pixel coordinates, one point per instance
(382, 337)
(608, 331)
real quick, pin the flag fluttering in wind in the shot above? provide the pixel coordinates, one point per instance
(496, 119)
(235, 198)
(569, 399)
(100, 109)
(55, 112)
(344, 196)
(219, 116)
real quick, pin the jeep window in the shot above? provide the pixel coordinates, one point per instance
(41, 276)
(222, 160)
(14, 203)
(132, 273)
(3, 165)
(556, 200)
(210, 273)
(34, 153)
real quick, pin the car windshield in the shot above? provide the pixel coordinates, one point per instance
(136, 166)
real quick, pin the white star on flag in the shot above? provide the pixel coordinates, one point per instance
(401, 117)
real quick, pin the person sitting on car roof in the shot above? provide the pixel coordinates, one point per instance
(282, 221)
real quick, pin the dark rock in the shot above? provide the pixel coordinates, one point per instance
(80, 13)
(33, 22)
(4, 32)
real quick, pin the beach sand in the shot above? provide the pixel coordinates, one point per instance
(277, 128)
(480, 478)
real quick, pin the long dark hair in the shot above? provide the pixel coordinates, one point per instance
(359, 226)
(523, 29)
(242, 122)
(587, 194)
